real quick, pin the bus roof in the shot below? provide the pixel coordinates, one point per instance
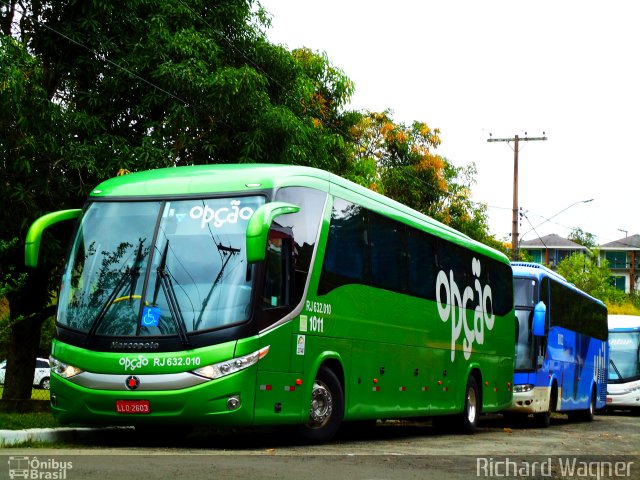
(537, 271)
(249, 178)
(624, 323)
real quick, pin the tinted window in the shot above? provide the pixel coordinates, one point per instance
(346, 246)
(367, 248)
(421, 263)
(574, 311)
(387, 250)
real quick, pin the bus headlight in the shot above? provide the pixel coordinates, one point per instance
(522, 388)
(234, 365)
(63, 369)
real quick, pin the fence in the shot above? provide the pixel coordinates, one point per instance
(41, 375)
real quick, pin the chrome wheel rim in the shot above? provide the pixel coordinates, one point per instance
(321, 405)
(472, 406)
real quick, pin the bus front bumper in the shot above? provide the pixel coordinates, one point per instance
(228, 401)
(529, 399)
(623, 396)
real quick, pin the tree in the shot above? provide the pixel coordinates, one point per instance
(583, 238)
(399, 161)
(160, 84)
(591, 276)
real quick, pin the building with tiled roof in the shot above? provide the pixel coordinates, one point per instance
(551, 249)
(623, 256)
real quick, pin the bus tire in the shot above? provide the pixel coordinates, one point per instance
(326, 408)
(585, 415)
(543, 419)
(468, 421)
(589, 413)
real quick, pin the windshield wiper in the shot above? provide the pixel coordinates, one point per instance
(611, 362)
(164, 279)
(130, 273)
(228, 252)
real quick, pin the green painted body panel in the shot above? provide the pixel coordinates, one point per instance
(393, 353)
(404, 367)
(200, 405)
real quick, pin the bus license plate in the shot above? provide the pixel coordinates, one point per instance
(133, 406)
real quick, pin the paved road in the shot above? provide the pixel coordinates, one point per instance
(394, 450)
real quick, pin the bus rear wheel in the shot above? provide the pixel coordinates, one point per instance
(326, 408)
(588, 414)
(468, 421)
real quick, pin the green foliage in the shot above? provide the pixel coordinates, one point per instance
(591, 276)
(585, 239)
(399, 161)
(626, 308)
(159, 84)
(176, 83)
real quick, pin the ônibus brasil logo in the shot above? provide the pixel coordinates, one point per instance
(452, 305)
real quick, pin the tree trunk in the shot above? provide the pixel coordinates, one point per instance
(21, 358)
(25, 335)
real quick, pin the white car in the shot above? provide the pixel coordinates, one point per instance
(40, 376)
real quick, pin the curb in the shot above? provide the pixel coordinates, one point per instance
(51, 435)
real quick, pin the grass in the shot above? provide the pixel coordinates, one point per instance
(36, 394)
(20, 421)
(624, 309)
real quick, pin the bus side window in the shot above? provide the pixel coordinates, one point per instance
(279, 265)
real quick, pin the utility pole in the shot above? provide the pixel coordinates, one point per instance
(514, 222)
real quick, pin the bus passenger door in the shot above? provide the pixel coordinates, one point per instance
(277, 392)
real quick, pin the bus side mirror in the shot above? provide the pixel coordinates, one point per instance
(34, 235)
(258, 227)
(539, 319)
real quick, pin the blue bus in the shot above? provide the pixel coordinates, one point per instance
(561, 347)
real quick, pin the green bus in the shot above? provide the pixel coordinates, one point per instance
(236, 295)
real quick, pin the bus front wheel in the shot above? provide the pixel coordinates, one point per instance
(326, 408)
(543, 419)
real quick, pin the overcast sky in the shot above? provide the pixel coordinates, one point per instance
(473, 68)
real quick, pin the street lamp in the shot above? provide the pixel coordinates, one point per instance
(533, 229)
(555, 215)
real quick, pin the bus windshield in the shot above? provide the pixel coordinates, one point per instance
(624, 356)
(524, 293)
(153, 268)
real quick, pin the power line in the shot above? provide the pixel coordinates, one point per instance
(514, 222)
